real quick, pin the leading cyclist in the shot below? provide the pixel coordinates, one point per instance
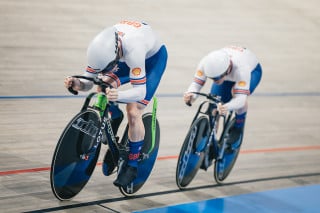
(236, 73)
(127, 52)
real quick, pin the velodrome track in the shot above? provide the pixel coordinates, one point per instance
(278, 169)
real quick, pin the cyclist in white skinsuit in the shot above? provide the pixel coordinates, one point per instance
(127, 52)
(236, 73)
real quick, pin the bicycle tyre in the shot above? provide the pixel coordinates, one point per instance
(69, 173)
(190, 159)
(149, 154)
(223, 167)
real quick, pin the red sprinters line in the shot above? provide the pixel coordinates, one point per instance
(13, 172)
(280, 149)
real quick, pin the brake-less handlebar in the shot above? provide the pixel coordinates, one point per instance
(215, 98)
(95, 80)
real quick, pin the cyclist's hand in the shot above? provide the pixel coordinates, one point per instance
(188, 98)
(112, 94)
(68, 81)
(222, 109)
(72, 82)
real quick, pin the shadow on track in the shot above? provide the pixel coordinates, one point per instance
(100, 202)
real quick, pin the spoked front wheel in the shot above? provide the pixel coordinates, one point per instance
(148, 154)
(191, 154)
(75, 157)
(223, 166)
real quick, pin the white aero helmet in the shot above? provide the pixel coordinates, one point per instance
(102, 52)
(216, 63)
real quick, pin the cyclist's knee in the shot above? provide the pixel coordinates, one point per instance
(241, 115)
(134, 112)
(243, 109)
(240, 120)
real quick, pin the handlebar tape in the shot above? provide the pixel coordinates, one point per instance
(72, 91)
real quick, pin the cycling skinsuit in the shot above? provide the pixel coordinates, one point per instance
(143, 63)
(244, 78)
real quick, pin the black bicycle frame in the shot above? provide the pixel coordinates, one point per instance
(105, 124)
(212, 119)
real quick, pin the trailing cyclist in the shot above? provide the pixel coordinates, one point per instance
(236, 73)
(127, 52)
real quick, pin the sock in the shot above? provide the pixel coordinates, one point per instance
(134, 153)
(240, 120)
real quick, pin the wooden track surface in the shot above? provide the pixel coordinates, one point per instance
(41, 42)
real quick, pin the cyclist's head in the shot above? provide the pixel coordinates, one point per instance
(216, 64)
(103, 51)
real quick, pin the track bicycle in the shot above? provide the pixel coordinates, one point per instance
(77, 151)
(207, 140)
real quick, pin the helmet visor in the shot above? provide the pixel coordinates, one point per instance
(111, 65)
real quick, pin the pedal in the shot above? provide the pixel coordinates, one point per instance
(206, 163)
(208, 157)
(143, 156)
(108, 166)
(121, 164)
(212, 153)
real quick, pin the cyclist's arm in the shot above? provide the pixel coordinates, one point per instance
(237, 102)
(241, 91)
(135, 59)
(198, 82)
(80, 84)
(137, 93)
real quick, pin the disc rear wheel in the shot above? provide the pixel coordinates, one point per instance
(148, 155)
(223, 167)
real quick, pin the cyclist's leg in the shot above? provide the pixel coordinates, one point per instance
(254, 82)
(136, 132)
(237, 130)
(242, 113)
(256, 75)
(155, 67)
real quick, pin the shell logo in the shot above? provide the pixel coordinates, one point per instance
(136, 71)
(199, 73)
(242, 83)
